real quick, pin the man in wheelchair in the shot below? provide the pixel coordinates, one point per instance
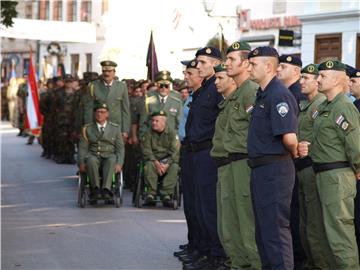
(101, 148)
(160, 146)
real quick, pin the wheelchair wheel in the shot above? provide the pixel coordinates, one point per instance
(82, 196)
(138, 192)
(119, 187)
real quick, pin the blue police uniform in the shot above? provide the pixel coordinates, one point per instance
(357, 198)
(273, 173)
(200, 128)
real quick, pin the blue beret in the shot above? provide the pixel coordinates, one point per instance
(209, 51)
(355, 73)
(190, 63)
(264, 51)
(349, 70)
(290, 59)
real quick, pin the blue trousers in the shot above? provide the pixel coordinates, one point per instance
(271, 190)
(357, 214)
(205, 179)
(188, 189)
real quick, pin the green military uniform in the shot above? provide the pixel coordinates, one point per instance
(101, 149)
(337, 139)
(163, 147)
(114, 95)
(22, 94)
(309, 211)
(235, 216)
(153, 103)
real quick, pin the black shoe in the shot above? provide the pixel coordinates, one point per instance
(107, 193)
(184, 246)
(150, 200)
(203, 263)
(219, 263)
(181, 253)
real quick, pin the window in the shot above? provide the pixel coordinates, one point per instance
(57, 10)
(71, 11)
(328, 47)
(279, 6)
(105, 6)
(75, 63)
(29, 10)
(85, 13)
(88, 62)
(358, 52)
(44, 10)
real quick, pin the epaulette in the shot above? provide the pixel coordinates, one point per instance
(113, 124)
(83, 131)
(91, 89)
(175, 98)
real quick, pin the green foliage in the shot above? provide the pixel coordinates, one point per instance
(8, 12)
(215, 42)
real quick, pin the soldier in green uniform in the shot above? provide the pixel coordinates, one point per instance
(65, 103)
(309, 211)
(101, 145)
(160, 146)
(21, 104)
(112, 92)
(164, 101)
(335, 152)
(235, 214)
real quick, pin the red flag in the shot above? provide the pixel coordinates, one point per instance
(34, 119)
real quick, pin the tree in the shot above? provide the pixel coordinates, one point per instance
(8, 12)
(215, 42)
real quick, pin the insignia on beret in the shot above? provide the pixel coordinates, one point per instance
(223, 65)
(329, 64)
(289, 58)
(311, 68)
(193, 63)
(158, 113)
(255, 52)
(236, 45)
(220, 68)
(358, 74)
(282, 108)
(208, 51)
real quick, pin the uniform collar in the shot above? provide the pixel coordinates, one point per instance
(205, 83)
(108, 84)
(238, 90)
(268, 87)
(99, 126)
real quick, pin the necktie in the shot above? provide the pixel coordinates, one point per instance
(162, 100)
(102, 130)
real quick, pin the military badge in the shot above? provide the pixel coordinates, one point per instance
(289, 59)
(208, 51)
(256, 52)
(311, 68)
(282, 108)
(237, 106)
(329, 64)
(249, 109)
(193, 64)
(344, 125)
(236, 45)
(315, 114)
(358, 74)
(339, 120)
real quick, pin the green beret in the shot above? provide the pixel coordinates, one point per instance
(310, 69)
(158, 113)
(108, 65)
(238, 46)
(220, 68)
(163, 77)
(332, 65)
(99, 105)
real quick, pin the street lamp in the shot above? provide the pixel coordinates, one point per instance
(209, 7)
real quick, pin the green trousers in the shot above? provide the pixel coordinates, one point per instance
(337, 190)
(93, 164)
(169, 181)
(310, 210)
(235, 218)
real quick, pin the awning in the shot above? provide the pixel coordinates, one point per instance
(50, 31)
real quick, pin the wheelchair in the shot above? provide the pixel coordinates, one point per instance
(117, 187)
(141, 190)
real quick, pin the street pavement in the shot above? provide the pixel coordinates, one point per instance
(43, 228)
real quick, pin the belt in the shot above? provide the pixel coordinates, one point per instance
(222, 161)
(196, 147)
(321, 167)
(302, 163)
(260, 161)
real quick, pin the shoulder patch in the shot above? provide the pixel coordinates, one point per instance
(113, 124)
(342, 122)
(282, 108)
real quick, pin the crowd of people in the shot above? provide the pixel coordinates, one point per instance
(267, 149)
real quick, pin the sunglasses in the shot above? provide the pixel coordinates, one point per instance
(164, 85)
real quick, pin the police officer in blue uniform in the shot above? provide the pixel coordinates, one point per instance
(272, 143)
(200, 128)
(289, 73)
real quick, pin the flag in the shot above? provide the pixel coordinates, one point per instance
(151, 60)
(34, 118)
(176, 19)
